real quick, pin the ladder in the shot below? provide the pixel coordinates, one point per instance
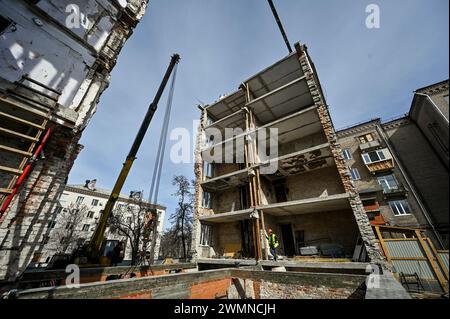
(411, 279)
(21, 129)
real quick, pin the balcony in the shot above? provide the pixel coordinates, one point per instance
(372, 209)
(378, 160)
(369, 146)
(376, 219)
(399, 190)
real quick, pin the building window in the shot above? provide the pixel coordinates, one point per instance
(94, 202)
(69, 226)
(79, 200)
(366, 138)
(85, 227)
(51, 224)
(80, 242)
(207, 169)
(206, 235)
(375, 156)
(355, 174)
(90, 214)
(58, 210)
(206, 201)
(388, 182)
(347, 155)
(129, 220)
(400, 207)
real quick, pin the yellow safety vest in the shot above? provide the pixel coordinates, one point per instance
(273, 241)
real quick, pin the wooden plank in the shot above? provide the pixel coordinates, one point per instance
(15, 150)
(5, 191)
(21, 121)
(25, 108)
(383, 245)
(409, 258)
(10, 170)
(399, 229)
(18, 135)
(439, 260)
(439, 276)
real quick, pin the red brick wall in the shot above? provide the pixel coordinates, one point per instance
(210, 289)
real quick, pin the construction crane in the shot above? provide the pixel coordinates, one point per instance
(94, 248)
(280, 26)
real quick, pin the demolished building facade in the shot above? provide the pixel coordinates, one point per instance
(55, 62)
(308, 200)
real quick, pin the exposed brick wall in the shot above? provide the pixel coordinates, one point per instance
(217, 283)
(25, 222)
(210, 289)
(367, 235)
(198, 172)
(271, 290)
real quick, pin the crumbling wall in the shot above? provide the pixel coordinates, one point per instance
(198, 192)
(214, 284)
(23, 231)
(365, 229)
(40, 45)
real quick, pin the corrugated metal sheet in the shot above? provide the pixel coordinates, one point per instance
(421, 267)
(404, 248)
(444, 258)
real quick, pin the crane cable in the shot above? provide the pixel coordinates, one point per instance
(280, 25)
(154, 190)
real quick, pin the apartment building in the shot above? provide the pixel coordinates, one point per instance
(400, 166)
(55, 62)
(420, 141)
(385, 194)
(301, 187)
(89, 201)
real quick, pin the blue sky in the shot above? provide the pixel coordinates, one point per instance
(366, 73)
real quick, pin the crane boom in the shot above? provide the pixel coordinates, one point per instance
(96, 242)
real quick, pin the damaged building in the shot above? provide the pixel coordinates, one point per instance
(55, 62)
(309, 200)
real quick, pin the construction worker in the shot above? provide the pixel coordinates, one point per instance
(273, 243)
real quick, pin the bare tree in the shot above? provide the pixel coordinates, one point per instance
(135, 222)
(66, 236)
(181, 219)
